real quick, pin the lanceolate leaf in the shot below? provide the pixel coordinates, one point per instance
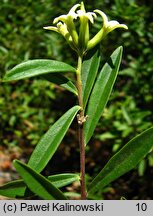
(15, 189)
(88, 74)
(62, 81)
(36, 67)
(62, 180)
(51, 140)
(123, 161)
(18, 189)
(37, 183)
(101, 92)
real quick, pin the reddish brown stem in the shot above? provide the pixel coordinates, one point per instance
(82, 163)
(81, 120)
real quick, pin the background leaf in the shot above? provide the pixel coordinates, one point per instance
(51, 140)
(126, 159)
(36, 67)
(101, 92)
(89, 72)
(37, 183)
(18, 189)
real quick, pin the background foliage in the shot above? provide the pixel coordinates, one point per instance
(28, 107)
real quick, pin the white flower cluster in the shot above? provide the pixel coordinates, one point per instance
(80, 41)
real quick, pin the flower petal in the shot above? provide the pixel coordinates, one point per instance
(114, 24)
(73, 9)
(91, 16)
(52, 28)
(103, 15)
(88, 15)
(62, 18)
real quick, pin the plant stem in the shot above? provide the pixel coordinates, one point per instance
(82, 163)
(81, 120)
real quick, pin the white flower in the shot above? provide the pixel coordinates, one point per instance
(68, 20)
(89, 15)
(66, 27)
(80, 41)
(107, 27)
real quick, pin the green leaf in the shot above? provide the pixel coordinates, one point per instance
(125, 160)
(37, 183)
(36, 67)
(89, 72)
(51, 140)
(18, 189)
(101, 92)
(62, 81)
(15, 189)
(62, 180)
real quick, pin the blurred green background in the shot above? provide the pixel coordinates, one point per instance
(29, 107)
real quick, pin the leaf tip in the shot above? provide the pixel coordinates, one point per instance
(120, 48)
(16, 162)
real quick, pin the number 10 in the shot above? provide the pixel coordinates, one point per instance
(141, 206)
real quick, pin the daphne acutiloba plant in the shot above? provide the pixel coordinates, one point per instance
(92, 87)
